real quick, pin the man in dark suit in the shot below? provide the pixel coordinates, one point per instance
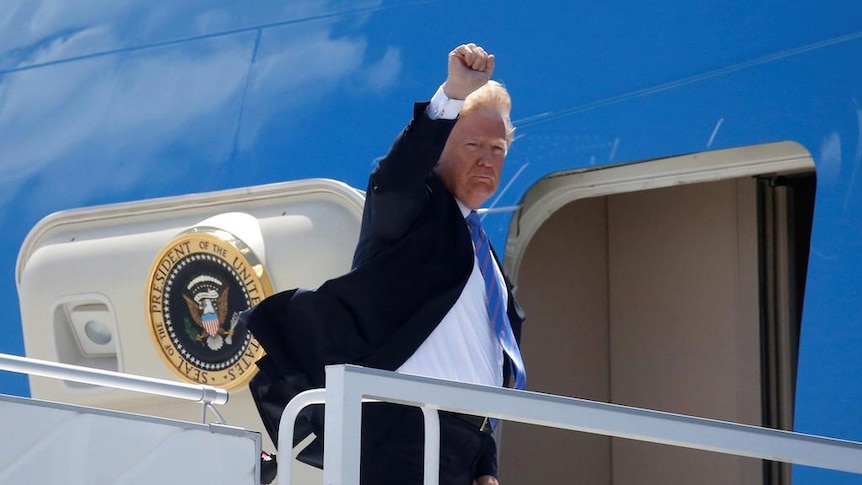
(425, 295)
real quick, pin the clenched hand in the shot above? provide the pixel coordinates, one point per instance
(470, 68)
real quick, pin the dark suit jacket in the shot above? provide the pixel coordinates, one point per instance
(411, 264)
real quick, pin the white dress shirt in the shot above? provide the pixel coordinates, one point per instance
(463, 347)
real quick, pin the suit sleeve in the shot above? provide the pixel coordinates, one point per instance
(396, 189)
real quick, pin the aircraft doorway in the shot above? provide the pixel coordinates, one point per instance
(671, 285)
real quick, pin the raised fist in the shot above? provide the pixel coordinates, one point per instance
(470, 68)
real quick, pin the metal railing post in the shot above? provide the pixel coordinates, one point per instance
(432, 445)
(341, 448)
(288, 424)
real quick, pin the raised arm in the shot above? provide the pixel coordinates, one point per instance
(396, 189)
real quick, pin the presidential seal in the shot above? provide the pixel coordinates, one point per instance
(199, 284)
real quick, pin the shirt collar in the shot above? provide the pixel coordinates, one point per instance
(465, 211)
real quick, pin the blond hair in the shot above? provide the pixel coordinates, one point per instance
(492, 97)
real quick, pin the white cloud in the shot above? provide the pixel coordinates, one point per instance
(104, 111)
(829, 168)
(31, 29)
(37, 31)
(382, 74)
(71, 131)
(94, 39)
(213, 20)
(297, 68)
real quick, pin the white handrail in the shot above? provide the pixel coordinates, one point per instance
(287, 425)
(347, 386)
(201, 393)
(318, 396)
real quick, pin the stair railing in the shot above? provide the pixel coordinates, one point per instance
(348, 386)
(208, 396)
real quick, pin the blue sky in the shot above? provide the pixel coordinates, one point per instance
(104, 101)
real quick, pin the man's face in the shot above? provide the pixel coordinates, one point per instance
(473, 157)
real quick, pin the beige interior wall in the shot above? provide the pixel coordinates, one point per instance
(565, 293)
(684, 330)
(647, 299)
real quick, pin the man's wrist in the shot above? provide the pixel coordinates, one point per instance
(443, 107)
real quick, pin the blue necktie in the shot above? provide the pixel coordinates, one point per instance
(494, 300)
